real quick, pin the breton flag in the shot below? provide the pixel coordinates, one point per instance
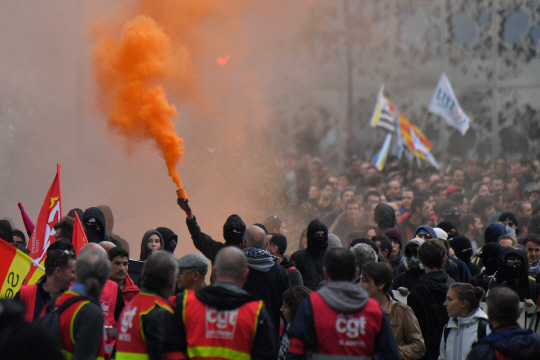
(420, 148)
(384, 116)
(79, 237)
(445, 104)
(380, 157)
(14, 267)
(44, 233)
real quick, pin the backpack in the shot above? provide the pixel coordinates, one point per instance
(482, 324)
(50, 321)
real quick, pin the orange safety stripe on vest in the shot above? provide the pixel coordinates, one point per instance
(67, 320)
(346, 334)
(28, 297)
(215, 333)
(131, 342)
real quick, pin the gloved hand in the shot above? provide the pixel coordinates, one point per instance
(183, 203)
(403, 291)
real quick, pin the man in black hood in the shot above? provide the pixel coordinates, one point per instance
(385, 218)
(309, 261)
(206, 319)
(514, 269)
(94, 223)
(6, 232)
(233, 233)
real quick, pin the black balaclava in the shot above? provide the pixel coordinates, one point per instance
(490, 256)
(6, 232)
(316, 245)
(462, 248)
(169, 238)
(94, 215)
(448, 227)
(512, 273)
(234, 222)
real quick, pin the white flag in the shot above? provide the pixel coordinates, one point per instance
(445, 104)
(419, 147)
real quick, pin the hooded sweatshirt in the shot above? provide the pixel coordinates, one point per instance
(462, 334)
(385, 217)
(210, 247)
(94, 215)
(426, 300)
(145, 251)
(309, 261)
(169, 238)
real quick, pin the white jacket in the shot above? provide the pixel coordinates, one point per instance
(463, 334)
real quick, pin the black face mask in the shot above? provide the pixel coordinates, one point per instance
(233, 238)
(94, 235)
(465, 256)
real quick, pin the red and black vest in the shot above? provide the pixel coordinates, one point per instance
(28, 297)
(67, 319)
(108, 306)
(343, 334)
(131, 342)
(223, 334)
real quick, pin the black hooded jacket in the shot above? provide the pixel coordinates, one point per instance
(385, 218)
(210, 247)
(222, 296)
(170, 239)
(309, 261)
(426, 299)
(6, 232)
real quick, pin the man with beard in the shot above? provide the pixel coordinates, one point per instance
(351, 220)
(233, 232)
(471, 228)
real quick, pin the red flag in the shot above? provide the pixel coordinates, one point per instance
(79, 237)
(44, 234)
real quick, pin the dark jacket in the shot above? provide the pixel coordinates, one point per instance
(222, 296)
(267, 281)
(210, 247)
(294, 273)
(309, 261)
(426, 299)
(408, 278)
(22, 340)
(517, 344)
(145, 252)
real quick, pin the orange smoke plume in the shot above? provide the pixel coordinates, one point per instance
(126, 70)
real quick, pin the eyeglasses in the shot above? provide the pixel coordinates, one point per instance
(186, 272)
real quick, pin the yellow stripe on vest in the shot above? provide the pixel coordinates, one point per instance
(131, 356)
(216, 352)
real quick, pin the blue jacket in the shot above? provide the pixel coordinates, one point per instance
(518, 344)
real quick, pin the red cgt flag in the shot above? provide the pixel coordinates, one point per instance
(79, 237)
(44, 234)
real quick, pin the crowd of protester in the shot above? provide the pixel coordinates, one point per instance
(365, 263)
